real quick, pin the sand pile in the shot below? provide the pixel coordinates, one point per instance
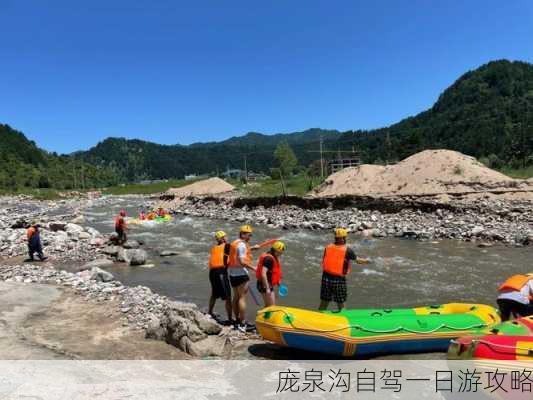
(209, 186)
(430, 172)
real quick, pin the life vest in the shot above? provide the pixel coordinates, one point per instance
(275, 271)
(119, 223)
(515, 283)
(30, 232)
(233, 261)
(151, 216)
(334, 260)
(216, 259)
(142, 216)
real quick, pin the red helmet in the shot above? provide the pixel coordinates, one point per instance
(122, 213)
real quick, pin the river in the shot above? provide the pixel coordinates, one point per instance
(402, 273)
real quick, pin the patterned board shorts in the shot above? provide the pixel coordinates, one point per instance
(333, 288)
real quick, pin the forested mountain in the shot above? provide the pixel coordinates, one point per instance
(486, 113)
(24, 165)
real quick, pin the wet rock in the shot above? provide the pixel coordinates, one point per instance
(111, 250)
(84, 236)
(135, 256)
(100, 275)
(168, 253)
(131, 244)
(20, 224)
(484, 244)
(80, 219)
(98, 263)
(57, 226)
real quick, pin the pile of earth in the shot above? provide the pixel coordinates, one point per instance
(211, 186)
(428, 173)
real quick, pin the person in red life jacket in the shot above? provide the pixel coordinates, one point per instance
(33, 234)
(218, 274)
(121, 226)
(268, 273)
(142, 216)
(516, 296)
(336, 264)
(161, 212)
(239, 263)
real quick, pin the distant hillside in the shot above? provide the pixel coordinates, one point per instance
(24, 165)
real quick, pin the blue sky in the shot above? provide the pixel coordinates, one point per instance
(73, 73)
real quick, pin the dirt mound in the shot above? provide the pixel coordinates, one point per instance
(209, 186)
(430, 172)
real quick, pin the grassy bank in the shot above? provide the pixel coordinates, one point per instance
(297, 186)
(522, 173)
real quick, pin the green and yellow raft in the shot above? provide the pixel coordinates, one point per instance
(373, 332)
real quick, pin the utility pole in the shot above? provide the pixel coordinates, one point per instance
(321, 159)
(245, 169)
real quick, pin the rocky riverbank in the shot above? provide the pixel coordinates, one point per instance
(481, 221)
(180, 324)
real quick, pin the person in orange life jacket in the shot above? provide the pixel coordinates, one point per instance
(33, 234)
(516, 296)
(268, 273)
(336, 265)
(240, 261)
(121, 226)
(218, 274)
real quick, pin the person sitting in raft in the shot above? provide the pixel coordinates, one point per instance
(161, 212)
(218, 274)
(33, 234)
(240, 261)
(268, 273)
(121, 227)
(336, 264)
(151, 216)
(142, 215)
(516, 295)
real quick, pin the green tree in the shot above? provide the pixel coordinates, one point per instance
(285, 159)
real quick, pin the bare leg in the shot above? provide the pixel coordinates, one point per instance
(229, 308)
(242, 290)
(212, 301)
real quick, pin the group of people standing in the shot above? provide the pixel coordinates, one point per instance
(231, 263)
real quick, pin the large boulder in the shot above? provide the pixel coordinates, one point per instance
(84, 236)
(93, 232)
(56, 226)
(131, 244)
(168, 253)
(100, 275)
(132, 256)
(80, 219)
(73, 229)
(111, 250)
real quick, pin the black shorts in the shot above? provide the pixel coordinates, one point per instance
(513, 308)
(333, 288)
(238, 280)
(220, 283)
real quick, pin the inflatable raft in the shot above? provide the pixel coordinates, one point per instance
(511, 340)
(372, 332)
(156, 220)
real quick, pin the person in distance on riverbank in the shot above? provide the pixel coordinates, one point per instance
(336, 264)
(33, 234)
(121, 227)
(516, 295)
(268, 273)
(218, 274)
(240, 261)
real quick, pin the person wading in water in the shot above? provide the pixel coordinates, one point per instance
(218, 274)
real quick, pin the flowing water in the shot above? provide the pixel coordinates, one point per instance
(402, 273)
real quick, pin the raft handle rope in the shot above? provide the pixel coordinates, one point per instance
(400, 328)
(495, 346)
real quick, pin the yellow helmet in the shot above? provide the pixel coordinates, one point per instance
(219, 235)
(278, 246)
(246, 229)
(341, 233)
